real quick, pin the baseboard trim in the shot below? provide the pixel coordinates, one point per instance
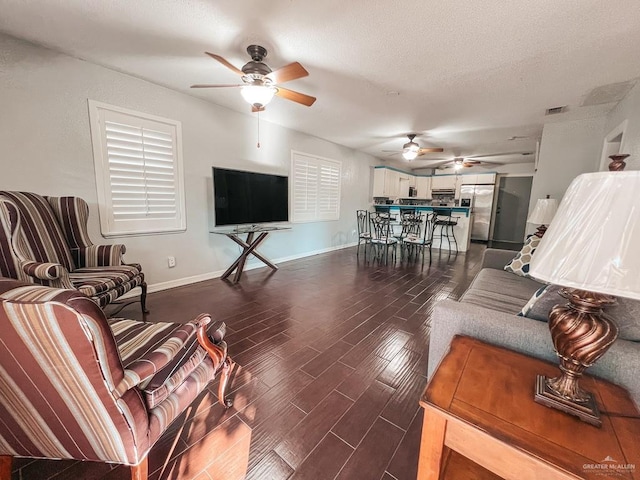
(251, 265)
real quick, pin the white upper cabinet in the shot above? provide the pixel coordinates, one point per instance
(392, 183)
(478, 179)
(423, 187)
(439, 182)
(379, 175)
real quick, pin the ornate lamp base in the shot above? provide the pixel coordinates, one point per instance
(581, 334)
(587, 411)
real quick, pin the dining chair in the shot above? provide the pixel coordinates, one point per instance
(415, 243)
(364, 233)
(382, 236)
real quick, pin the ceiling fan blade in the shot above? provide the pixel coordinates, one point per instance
(296, 96)
(226, 63)
(204, 85)
(500, 154)
(287, 73)
(422, 151)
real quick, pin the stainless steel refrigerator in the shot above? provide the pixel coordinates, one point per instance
(481, 202)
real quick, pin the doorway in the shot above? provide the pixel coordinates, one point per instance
(512, 208)
(612, 145)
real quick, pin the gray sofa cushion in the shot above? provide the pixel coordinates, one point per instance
(495, 301)
(498, 281)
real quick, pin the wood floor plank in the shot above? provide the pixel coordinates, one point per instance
(267, 435)
(323, 361)
(403, 405)
(272, 466)
(322, 386)
(325, 461)
(357, 421)
(374, 452)
(356, 383)
(404, 464)
(306, 435)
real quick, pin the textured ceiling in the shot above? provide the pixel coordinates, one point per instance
(464, 75)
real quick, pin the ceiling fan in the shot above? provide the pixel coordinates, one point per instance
(260, 83)
(472, 161)
(411, 149)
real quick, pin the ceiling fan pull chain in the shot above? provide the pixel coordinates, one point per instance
(258, 145)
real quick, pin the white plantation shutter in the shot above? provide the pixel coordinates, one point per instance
(138, 171)
(315, 188)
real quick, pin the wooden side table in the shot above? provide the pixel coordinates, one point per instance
(480, 419)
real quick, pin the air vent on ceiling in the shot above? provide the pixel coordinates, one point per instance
(556, 110)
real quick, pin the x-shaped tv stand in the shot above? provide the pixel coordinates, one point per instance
(249, 247)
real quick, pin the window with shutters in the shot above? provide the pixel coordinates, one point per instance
(138, 165)
(315, 188)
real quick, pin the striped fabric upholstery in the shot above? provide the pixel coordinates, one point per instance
(45, 240)
(73, 216)
(157, 357)
(72, 384)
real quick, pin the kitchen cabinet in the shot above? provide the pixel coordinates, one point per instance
(439, 182)
(404, 182)
(391, 183)
(483, 178)
(423, 187)
(379, 175)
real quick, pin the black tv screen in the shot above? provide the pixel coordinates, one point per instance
(248, 197)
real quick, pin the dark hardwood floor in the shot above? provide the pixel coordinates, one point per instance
(331, 359)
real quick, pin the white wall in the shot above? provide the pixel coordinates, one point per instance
(628, 109)
(567, 149)
(46, 148)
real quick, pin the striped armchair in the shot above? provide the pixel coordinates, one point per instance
(74, 385)
(45, 240)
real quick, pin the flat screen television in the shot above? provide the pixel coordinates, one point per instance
(249, 198)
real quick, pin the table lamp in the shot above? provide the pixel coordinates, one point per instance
(590, 249)
(542, 214)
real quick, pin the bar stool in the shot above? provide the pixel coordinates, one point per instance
(445, 221)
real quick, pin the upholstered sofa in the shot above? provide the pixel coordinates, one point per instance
(45, 240)
(74, 385)
(489, 309)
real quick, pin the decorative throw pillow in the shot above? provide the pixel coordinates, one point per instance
(541, 303)
(520, 264)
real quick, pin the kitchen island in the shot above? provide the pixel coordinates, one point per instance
(462, 230)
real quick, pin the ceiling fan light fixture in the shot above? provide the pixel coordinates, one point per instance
(410, 154)
(258, 95)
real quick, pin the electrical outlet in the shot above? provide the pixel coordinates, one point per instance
(171, 261)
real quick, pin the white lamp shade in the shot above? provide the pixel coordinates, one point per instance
(410, 154)
(258, 95)
(544, 211)
(593, 242)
